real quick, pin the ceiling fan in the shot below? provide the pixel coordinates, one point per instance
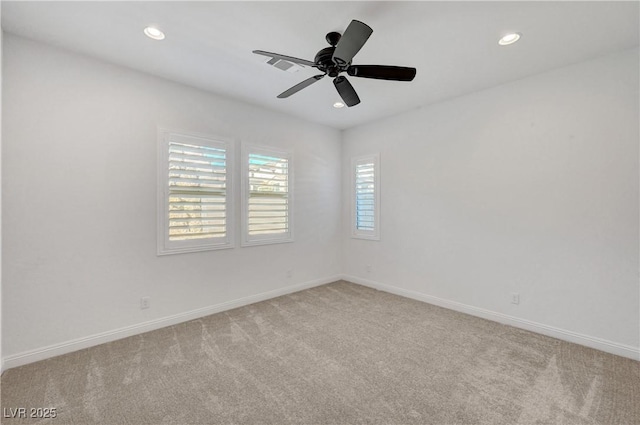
(334, 60)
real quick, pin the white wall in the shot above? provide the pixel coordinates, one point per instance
(1, 333)
(79, 190)
(529, 187)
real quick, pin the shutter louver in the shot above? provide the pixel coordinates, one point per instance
(268, 200)
(365, 196)
(197, 192)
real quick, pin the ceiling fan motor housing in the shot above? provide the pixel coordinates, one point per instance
(324, 62)
(324, 58)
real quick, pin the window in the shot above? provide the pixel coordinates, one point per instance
(194, 193)
(365, 199)
(267, 178)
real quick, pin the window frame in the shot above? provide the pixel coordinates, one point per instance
(166, 246)
(360, 233)
(249, 240)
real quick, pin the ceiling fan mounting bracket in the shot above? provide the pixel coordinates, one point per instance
(333, 38)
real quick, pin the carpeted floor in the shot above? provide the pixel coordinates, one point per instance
(336, 354)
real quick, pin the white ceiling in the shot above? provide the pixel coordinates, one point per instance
(453, 45)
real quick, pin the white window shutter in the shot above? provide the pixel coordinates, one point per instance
(267, 195)
(194, 193)
(197, 192)
(366, 197)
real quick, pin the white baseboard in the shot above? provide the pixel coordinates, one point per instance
(565, 335)
(93, 340)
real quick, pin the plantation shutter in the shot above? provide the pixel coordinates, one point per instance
(365, 196)
(268, 195)
(365, 192)
(197, 192)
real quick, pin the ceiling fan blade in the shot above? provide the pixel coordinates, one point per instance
(354, 37)
(300, 86)
(284, 57)
(382, 72)
(346, 91)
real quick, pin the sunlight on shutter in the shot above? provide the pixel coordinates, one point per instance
(197, 192)
(268, 208)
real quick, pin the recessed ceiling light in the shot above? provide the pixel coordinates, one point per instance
(509, 39)
(153, 32)
(338, 105)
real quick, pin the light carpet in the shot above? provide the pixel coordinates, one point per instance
(336, 354)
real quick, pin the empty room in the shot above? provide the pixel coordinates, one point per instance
(320, 213)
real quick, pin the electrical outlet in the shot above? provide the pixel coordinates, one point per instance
(145, 302)
(289, 273)
(515, 298)
(368, 268)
